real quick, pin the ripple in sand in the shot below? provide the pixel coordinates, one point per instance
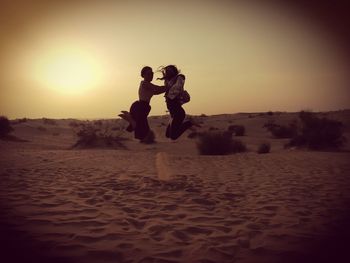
(181, 235)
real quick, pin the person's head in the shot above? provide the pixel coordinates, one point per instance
(147, 73)
(169, 72)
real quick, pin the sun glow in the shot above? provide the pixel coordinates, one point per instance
(68, 70)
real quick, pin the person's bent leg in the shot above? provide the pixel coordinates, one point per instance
(176, 125)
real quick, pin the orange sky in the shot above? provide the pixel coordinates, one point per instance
(82, 59)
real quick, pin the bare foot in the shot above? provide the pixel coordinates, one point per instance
(126, 116)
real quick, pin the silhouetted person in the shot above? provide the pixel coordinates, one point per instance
(139, 110)
(174, 83)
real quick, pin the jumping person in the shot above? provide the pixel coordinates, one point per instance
(139, 110)
(174, 83)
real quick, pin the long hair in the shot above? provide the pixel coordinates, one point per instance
(168, 72)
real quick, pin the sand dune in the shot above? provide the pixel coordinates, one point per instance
(152, 204)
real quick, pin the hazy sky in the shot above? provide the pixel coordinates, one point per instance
(82, 59)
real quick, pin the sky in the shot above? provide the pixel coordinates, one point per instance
(82, 59)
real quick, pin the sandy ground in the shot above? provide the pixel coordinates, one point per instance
(166, 203)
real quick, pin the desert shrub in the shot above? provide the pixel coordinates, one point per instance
(150, 138)
(203, 115)
(264, 148)
(269, 113)
(238, 130)
(238, 146)
(281, 131)
(214, 144)
(218, 143)
(49, 121)
(91, 137)
(318, 133)
(5, 126)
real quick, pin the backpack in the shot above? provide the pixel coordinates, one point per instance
(184, 96)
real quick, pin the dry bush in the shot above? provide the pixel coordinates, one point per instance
(238, 146)
(264, 148)
(281, 131)
(318, 133)
(238, 130)
(99, 135)
(216, 143)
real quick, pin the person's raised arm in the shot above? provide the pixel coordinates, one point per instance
(155, 88)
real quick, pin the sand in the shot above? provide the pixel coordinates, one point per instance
(166, 203)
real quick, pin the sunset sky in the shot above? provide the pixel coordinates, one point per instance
(82, 59)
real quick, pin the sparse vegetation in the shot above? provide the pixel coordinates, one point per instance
(238, 130)
(281, 131)
(216, 143)
(5, 126)
(99, 135)
(238, 146)
(6, 129)
(213, 128)
(264, 148)
(318, 133)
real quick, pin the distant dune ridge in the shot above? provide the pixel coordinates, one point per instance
(164, 202)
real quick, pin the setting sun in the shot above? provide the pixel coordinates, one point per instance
(68, 70)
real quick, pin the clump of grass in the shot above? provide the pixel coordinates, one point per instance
(6, 129)
(238, 146)
(98, 135)
(238, 130)
(281, 131)
(216, 143)
(318, 133)
(150, 138)
(264, 148)
(5, 126)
